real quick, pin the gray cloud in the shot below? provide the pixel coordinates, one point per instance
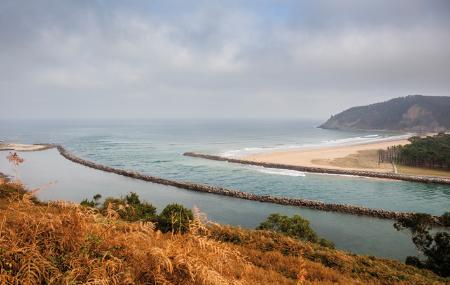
(217, 58)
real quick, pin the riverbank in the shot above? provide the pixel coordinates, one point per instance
(358, 157)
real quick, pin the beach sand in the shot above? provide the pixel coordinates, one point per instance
(23, 147)
(351, 157)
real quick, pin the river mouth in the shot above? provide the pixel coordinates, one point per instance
(156, 148)
(74, 182)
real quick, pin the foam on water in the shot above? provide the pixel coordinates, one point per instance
(236, 153)
(275, 171)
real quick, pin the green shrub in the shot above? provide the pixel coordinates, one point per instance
(435, 248)
(414, 261)
(131, 208)
(133, 199)
(326, 243)
(294, 226)
(417, 222)
(175, 218)
(94, 203)
(438, 254)
(445, 219)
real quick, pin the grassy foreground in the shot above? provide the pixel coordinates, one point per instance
(64, 243)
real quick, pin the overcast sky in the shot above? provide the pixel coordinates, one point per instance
(221, 59)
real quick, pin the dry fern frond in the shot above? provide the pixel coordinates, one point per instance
(64, 243)
(301, 275)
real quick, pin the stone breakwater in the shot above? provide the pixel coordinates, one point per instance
(317, 205)
(373, 174)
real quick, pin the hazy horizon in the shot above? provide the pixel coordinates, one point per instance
(208, 59)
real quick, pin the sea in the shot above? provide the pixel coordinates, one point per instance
(156, 147)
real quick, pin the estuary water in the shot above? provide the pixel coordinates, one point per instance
(156, 147)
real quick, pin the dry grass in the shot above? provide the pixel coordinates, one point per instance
(322, 265)
(63, 243)
(422, 171)
(363, 159)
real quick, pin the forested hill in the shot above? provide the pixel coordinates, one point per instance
(411, 113)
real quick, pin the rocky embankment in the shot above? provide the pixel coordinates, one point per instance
(317, 205)
(384, 175)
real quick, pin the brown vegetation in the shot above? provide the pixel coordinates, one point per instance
(402, 169)
(64, 243)
(363, 159)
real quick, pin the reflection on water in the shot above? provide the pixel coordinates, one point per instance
(75, 182)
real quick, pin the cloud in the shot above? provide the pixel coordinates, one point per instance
(218, 59)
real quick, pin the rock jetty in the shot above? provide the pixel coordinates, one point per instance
(373, 174)
(317, 205)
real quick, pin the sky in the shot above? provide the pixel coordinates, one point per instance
(217, 59)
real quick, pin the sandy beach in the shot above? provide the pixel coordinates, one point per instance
(351, 157)
(23, 147)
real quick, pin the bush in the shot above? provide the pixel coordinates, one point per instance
(133, 199)
(414, 261)
(131, 208)
(438, 254)
(94, 203)
(175, 218)
(326, 243)
(294, 226)
(445, 219)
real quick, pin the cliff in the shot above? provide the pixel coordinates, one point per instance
(412, 113)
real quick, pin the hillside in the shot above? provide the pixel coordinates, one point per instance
(59, 243)
(411, 113)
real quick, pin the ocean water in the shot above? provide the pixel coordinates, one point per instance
(156, 148)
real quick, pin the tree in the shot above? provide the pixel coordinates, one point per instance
(435, 248)
(175, 218)
(294, 226)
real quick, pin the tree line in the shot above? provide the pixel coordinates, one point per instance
(428, 152)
